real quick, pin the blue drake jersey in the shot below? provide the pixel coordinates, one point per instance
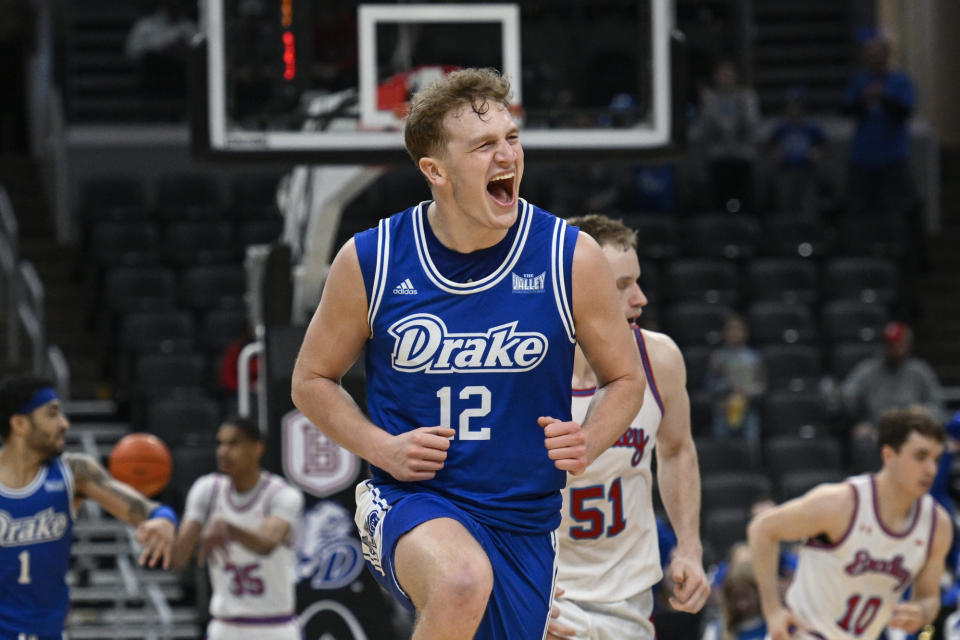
(486, 358)
(36, 524)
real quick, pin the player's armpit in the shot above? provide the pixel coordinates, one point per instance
(824, 510)
(92, 481)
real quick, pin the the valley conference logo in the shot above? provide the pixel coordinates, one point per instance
(529, 283)
(314, 462)
(422, 343)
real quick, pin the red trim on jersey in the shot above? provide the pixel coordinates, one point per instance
(213, 496)
(883, 526)
(648, 367)
(264, 483)
(933, 526)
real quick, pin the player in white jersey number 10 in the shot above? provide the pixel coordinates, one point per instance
(866, 541)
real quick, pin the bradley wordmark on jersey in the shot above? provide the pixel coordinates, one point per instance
(423, 343)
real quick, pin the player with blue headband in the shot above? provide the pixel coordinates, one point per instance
(40, 490)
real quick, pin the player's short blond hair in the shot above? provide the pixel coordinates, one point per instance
(606, 230)
(423, 132)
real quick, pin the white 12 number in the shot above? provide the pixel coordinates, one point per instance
(466, 433)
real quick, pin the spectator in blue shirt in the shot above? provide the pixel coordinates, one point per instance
(797, 143)
(882, 101)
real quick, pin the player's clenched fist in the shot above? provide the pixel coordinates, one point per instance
(418, 454)
(566, 444)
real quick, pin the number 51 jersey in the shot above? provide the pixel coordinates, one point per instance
(486, 358)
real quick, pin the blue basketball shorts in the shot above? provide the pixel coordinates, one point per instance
(524, 565)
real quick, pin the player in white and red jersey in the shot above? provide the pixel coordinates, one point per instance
(867, 540)
(609, 555)
(244, 519)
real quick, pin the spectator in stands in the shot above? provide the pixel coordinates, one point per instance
(739, 616)
(797, 143)
(737, 378)
(158, 41)
(728, 119)
(892, 378)
(882, 101)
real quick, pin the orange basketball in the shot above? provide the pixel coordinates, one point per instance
(142, 461)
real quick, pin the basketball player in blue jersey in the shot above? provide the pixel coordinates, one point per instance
(867, 540)
(609, 555)
(40, 490)
(468, 307)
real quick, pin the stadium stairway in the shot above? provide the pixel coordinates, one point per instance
(938, 329)
(68, 298)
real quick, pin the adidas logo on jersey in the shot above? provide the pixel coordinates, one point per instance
(405, 288)
(422, 343)
(529, 283)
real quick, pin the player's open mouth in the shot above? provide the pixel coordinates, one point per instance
(501, 189)
(633, 321)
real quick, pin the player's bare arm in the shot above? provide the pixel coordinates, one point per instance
(924, 605)
(609, 346)
(678, 474)
(119, 499)
(125, 503)
(263, 540)
(187, 537)
(333, 341)
(826, 510)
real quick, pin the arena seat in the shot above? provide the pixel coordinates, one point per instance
(844, 356)
(724, 528)
(734, 489)
(717, 456)
(702, 280)
(195, 242)
(253, 195)
(696, 323)
(657, 235)
(786, 454)
(791, 236)
(214, 286)
(780, 323)
(123, 243)
(792, 367)
(797, 483)
(783, 280)
(112, 197)
(721, 235)
(853, 320)
(183, 417)
(188, 195)
(791, 413)
(861, 278)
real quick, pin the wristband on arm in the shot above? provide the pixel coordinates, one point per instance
(163, 511)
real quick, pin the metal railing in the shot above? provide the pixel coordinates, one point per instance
(23, 301)
(9, 257)
(31, 299)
